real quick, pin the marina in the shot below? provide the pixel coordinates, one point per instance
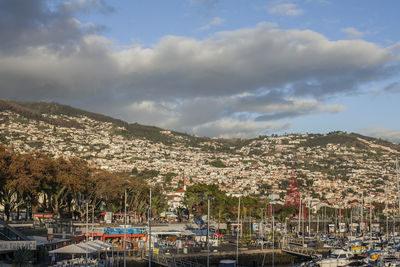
(356, 235)
(199, 133)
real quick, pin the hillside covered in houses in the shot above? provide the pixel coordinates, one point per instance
(334, 167)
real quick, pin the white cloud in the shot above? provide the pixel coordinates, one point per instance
(160, 113)
(214, 22)
(324, 2)
(233, 128)
(86, 6)
(285, 9)
(383, 133)
(246, 78)
(353, 33)
(198, 115)
(303, 61)
(301, 106)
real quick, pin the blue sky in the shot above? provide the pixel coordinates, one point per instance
(210, 67)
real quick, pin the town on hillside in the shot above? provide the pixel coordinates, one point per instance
(327, 170)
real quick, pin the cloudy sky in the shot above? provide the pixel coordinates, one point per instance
(219, 68)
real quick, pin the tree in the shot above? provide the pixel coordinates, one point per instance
(106, 187)
(6, 190)
(217, 163)
(20, 181)
(284, 184)
(223, 206)
(62, 184)
(69, 183)
(285, 212)
(23, 257)
(138, 198)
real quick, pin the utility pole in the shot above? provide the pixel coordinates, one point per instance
(336, 217)
(149, 233)
(362, 210)
(87, 231)
(208, 231)
(324, 219)
(237, 235)
(370, 217)
(398, 185)
(299, 225)
(262, 229)
(394, 225)
(351, 221)
(309, 218)
(250, 227)
(286, 226)
(273, 235)
(302, 215)
(387, 221)
(93, 206)
(125, 230)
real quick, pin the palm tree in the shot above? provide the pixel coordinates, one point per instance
(23, 257)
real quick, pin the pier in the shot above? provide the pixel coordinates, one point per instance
(199, 259)
(299, 247)
(170, 261)
(300, 251)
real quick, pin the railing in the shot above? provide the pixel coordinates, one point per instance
(170, 261)
(296, 246)
(308, 252)
(186, 263)
(15, 232)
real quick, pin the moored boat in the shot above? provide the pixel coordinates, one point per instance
(338, 257)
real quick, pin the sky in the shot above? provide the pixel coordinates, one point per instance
(217, 68)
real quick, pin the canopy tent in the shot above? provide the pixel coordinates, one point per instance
(90, 246)
(73, 249)
(82, 248)
(101, 244)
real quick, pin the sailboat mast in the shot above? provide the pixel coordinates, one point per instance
(362, 210)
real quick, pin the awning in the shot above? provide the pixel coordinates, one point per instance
(102, 244)
(83, 248)
(73, 249)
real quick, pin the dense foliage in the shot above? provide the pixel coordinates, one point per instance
(222, 206)
(37, 183)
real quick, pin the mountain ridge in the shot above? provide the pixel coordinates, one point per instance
(35, 110)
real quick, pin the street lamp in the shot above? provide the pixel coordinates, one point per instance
(149, 233)
(209, 196)
(237, 235)
(125, 230)
(86, 201)
(208, 228)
